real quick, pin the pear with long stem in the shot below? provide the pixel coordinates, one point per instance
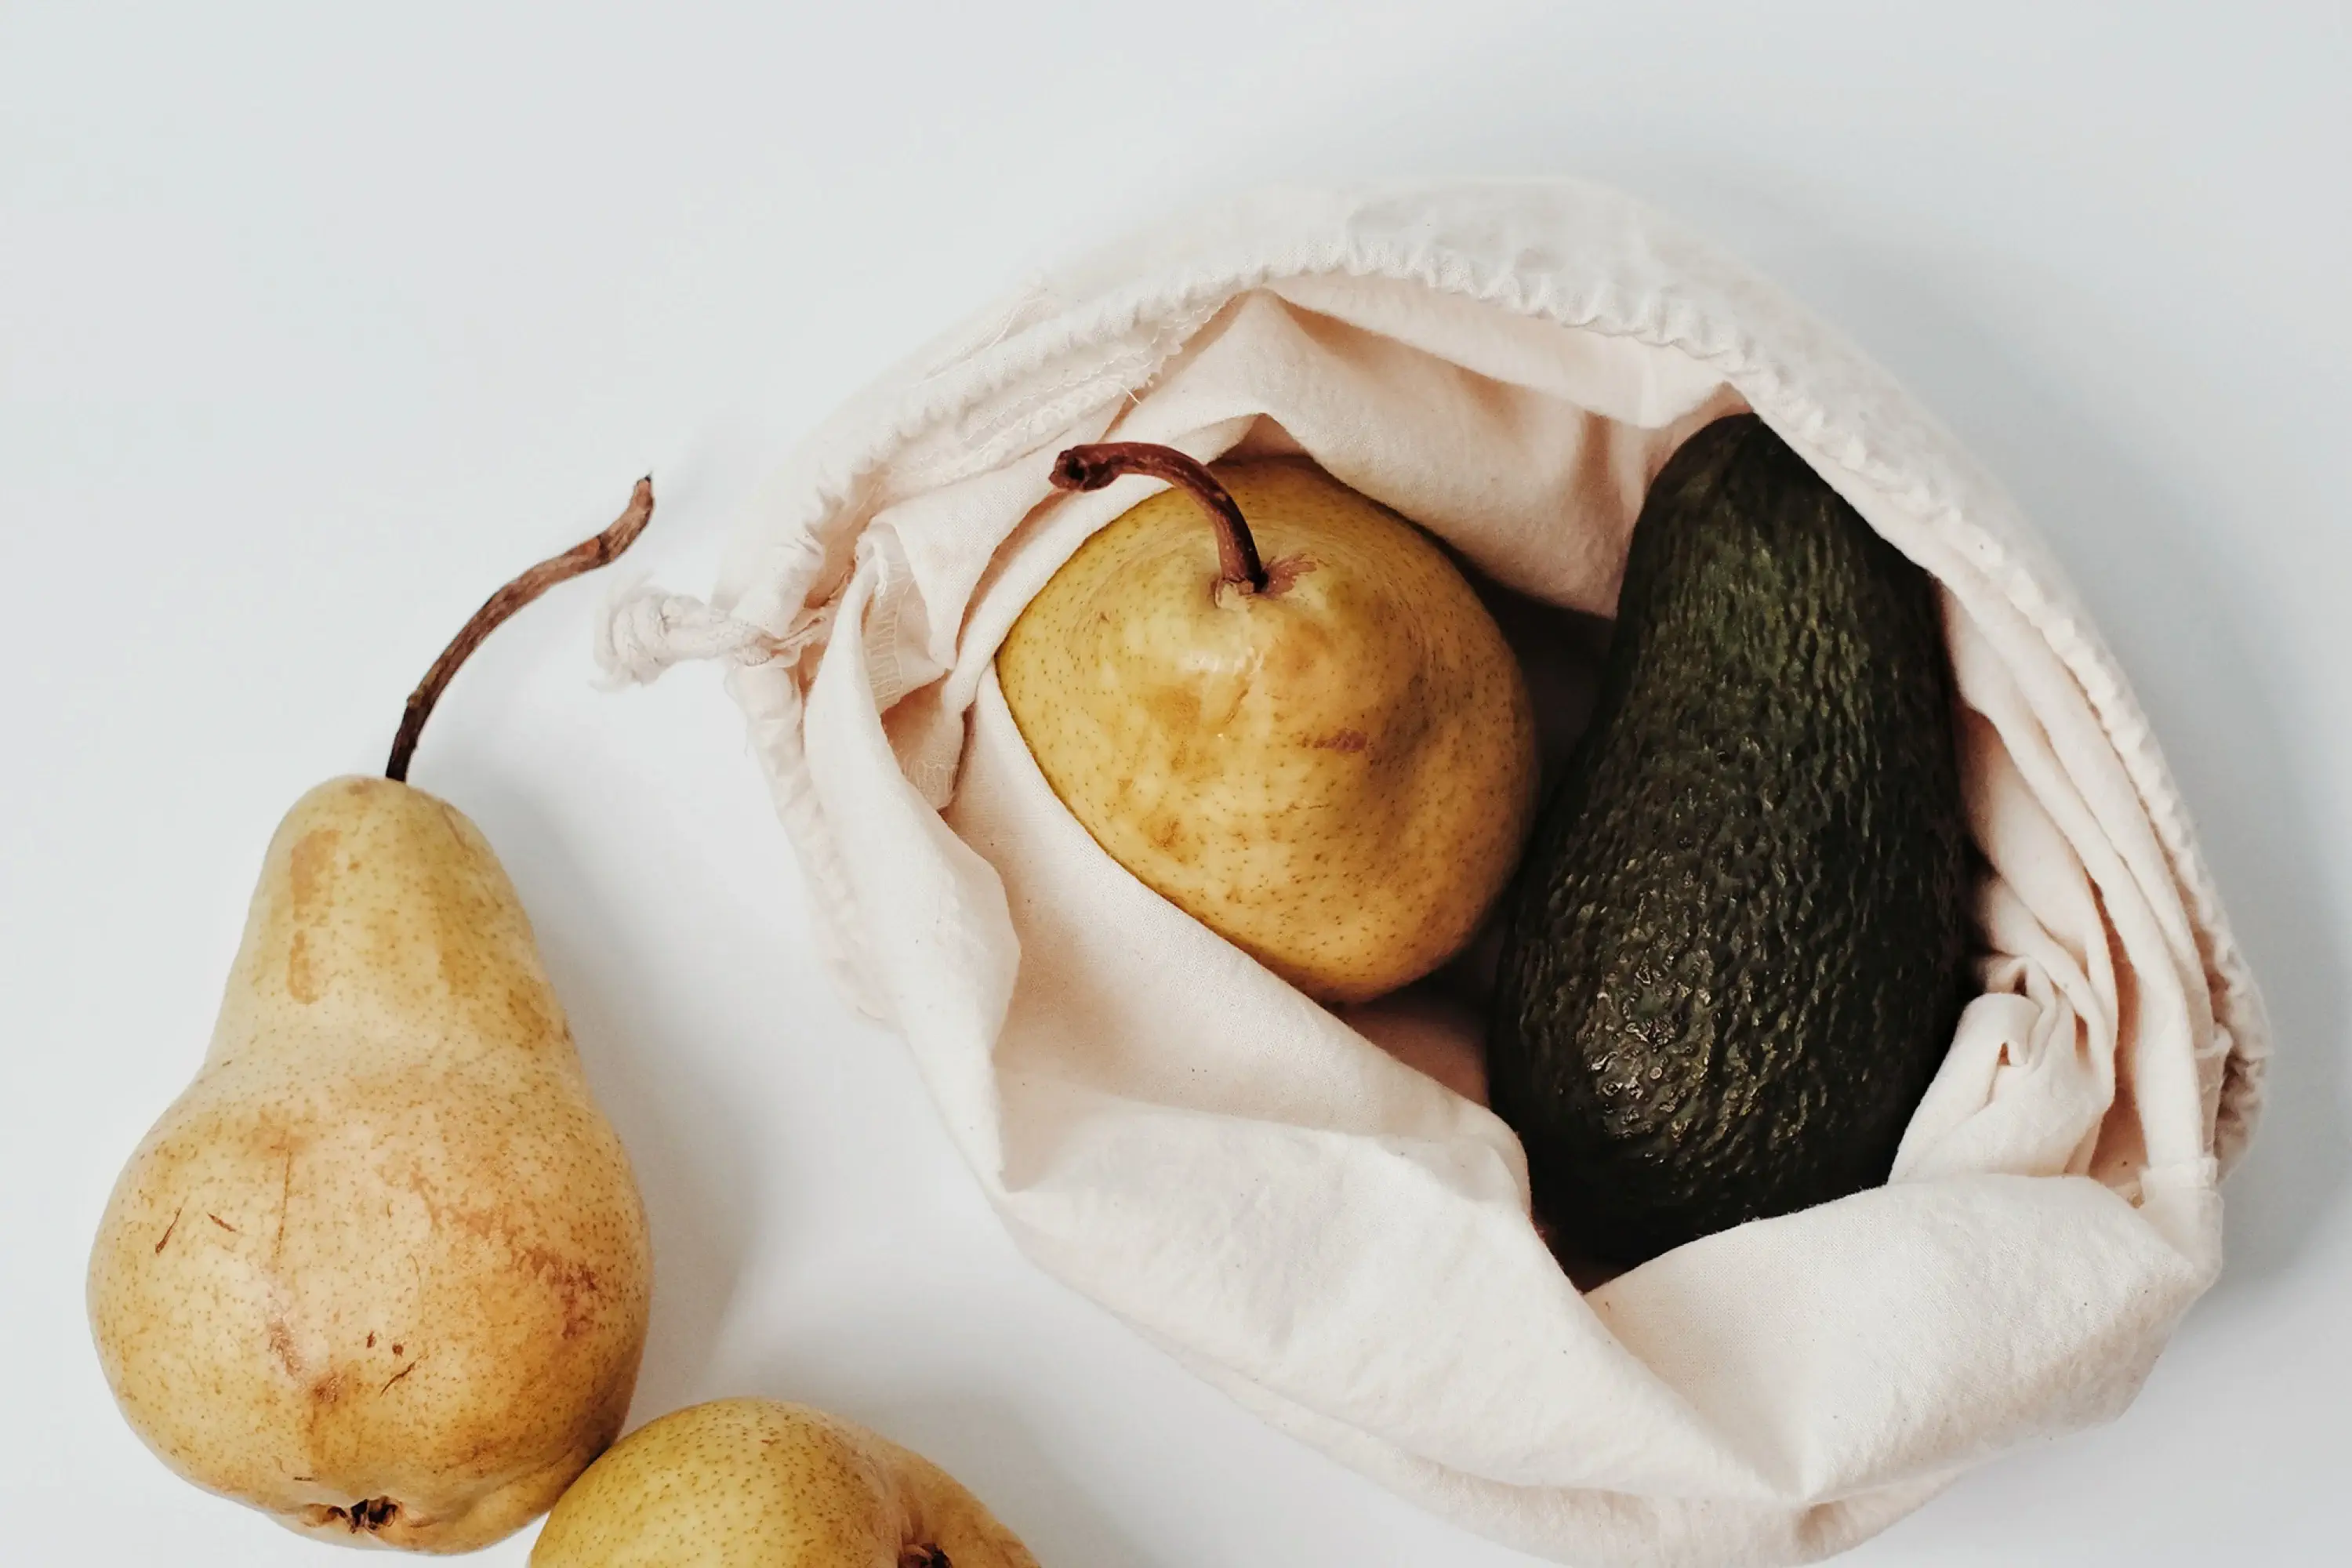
(382, 1270)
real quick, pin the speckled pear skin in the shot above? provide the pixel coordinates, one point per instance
(382, 1270)
(1335, 774)
(756, 1483)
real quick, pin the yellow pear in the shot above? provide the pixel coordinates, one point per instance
(381, 1270)
(1294, 721)
(755, 1483)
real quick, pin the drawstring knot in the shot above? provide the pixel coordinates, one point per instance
(645, 630)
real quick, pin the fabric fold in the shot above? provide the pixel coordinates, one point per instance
(1342, 1241)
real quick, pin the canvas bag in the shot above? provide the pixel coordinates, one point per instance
(1334, 1238)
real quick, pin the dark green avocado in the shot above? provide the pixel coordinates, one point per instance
(1736, 947)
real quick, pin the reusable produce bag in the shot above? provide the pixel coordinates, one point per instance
(1333, 1238)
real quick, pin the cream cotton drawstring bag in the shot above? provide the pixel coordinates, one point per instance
(1334, 1238)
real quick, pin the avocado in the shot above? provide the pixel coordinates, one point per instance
(1736, 950)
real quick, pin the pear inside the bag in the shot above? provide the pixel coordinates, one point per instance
(1528, 449)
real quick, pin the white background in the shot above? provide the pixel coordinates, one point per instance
(314, 326)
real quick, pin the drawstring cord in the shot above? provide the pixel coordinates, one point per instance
(645, 630)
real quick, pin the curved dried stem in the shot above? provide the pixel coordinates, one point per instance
(1092, 468)
(585, 556)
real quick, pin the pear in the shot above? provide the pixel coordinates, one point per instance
(755, 1483)
(382, 1270)
(1297, 723)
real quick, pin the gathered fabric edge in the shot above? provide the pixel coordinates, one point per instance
(798, 544)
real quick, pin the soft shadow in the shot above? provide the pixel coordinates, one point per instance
(2199, 637)
(692, 1154)
(1560, 652)
(986, 1445)
(2192, 626)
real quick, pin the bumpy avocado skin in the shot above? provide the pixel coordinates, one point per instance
(1737, 946)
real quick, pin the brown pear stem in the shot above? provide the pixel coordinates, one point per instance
(585, 556)
(1092, 468)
